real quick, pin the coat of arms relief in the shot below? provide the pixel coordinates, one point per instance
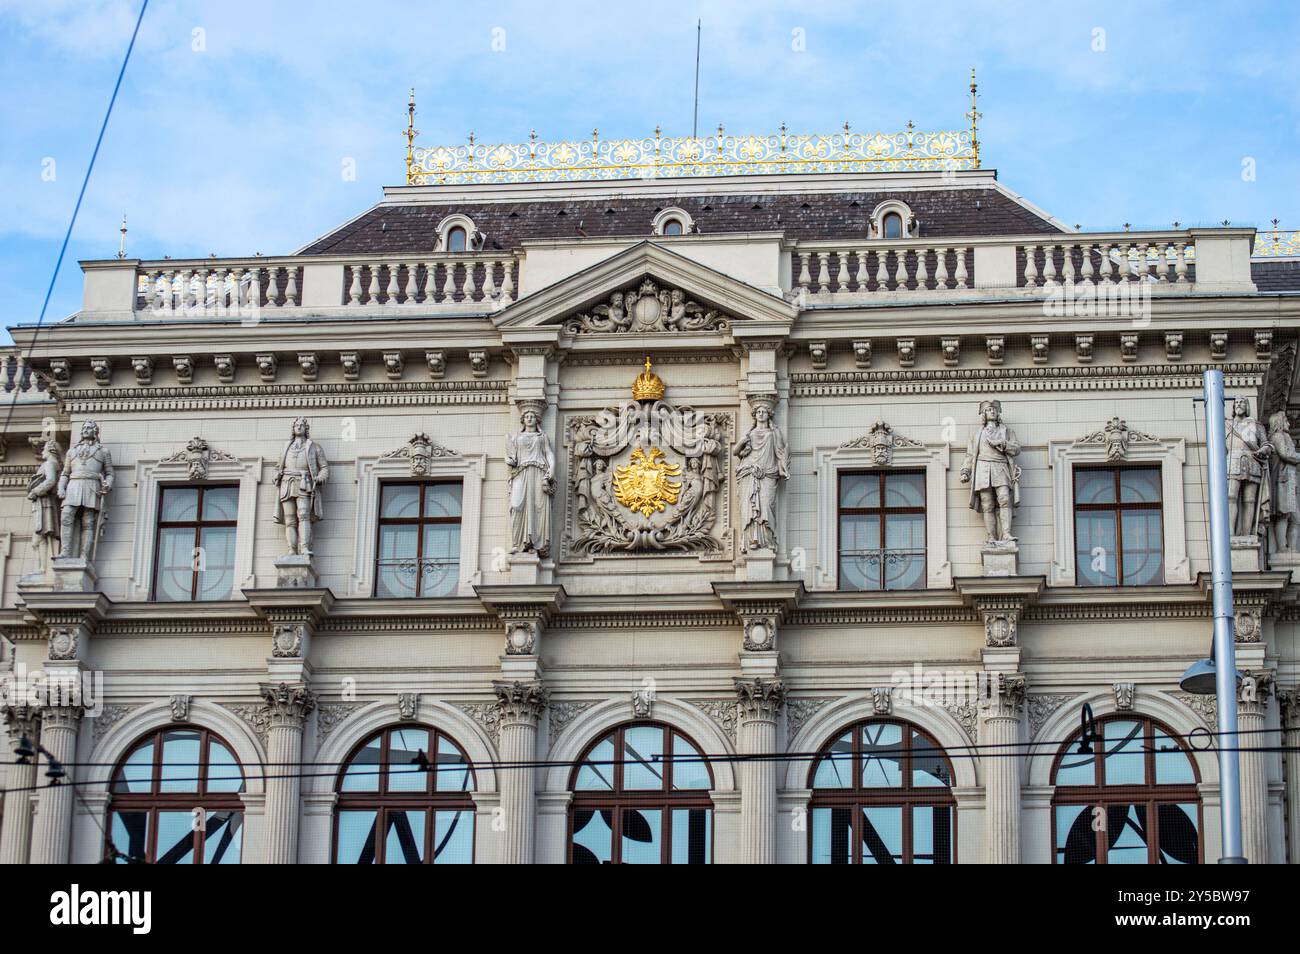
(646, 307)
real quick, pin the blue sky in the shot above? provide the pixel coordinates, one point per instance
(235, 120)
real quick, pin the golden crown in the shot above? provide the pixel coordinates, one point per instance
(648, 386)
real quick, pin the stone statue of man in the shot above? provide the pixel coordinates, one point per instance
(43, 492)
(1286, 513)
(84, 485)
(532, 482)
(1248, 483)
(991, 471)
(301, 476)
(766, 463)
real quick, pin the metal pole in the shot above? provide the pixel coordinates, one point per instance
(1225, 652)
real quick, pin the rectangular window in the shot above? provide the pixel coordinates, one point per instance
(194, 554)
(882, 530)
(418, 553)
(1118, 528)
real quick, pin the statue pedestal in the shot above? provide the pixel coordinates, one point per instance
(73, 575)
(294, 571)
(999, 559)
(1246, 555)
(1285, 561)
(760, 566)
(525, 568)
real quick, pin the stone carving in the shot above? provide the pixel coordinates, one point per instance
(102, 369)
(1116, 437)
(1263, 345)
(1040, 348)
(967, 716)
(950, 348)
(1083, 348)
(287, 639)
(629, 495)
(108, 717)
(818, 355)
(486, 714)
(1128, 347)
(1207, 707)
(394, 363)
(309, 364)
(643, 703)
(184, 365)
(993, 476)
(478, 363)
(759, 698)
(257, 717)
(531, 460)
(64, 642)
(907, 352)
(1004, 696)
(1249, 483)
(408, 706)
(437, 362)
(521, 701)
(84, 486)
(995, 346)
(759, 633)
(562, 713)
(61, 371)
(180, 707)
(197, 455)
(1219, 345)
(225, 365)
(799, 710)
(1254, 691)
(1285, 507)
(42, 491)
(882, 700)
(420, 451)
(1248, 624)
(521, 637)
(881, 441)
(862, 353)
(1124, 695)
(766, 463)
(143, 368)
(723, 712)
(329, 716)
(646, 308)
(1040, 707)
(267, 364)
(300, 477)
(1001, 625)
(1174, 345)
(287, 704)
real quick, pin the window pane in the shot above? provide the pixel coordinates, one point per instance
(593, 838)
(453, 838)
(643, 757)
(929, 767)
(597, 772)
(400, 500)
(882, 835)
(931, 835)
(441, 559)
(175, 838)
(860, 556)
(1076, 842)
(362, 773)
(217, 559)
(1094, 486)
(672, 227)
(1094, 540)
(456, 240)
(396, 573)
(224, 774)
(356, 838)
(1125, 758)
(692, 836)
(832, 835)
(689, 768)
(642, 836)
(1173, 765)
(1077, 768)
(130, 834)
(179, 503)
(1143, 541)
(136, 773)
(1139, 485)
(220, 503)
(453, 771)
(222, 840)
(835, 770)
(404, 838)
(904, 490)
(859, 490)
(1179, 834)
(404, 746)
(176, 558)
(1126, 834)
(180, 762)
(442, 500)
(904, 562)
(893, 226)
(882, 755)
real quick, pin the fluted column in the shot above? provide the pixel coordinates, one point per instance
(52, 831)
(1290, 703)
(520, 704)
(287, 707)
(759, 704)
(1001, 706)
(1252, 707)
(15, 836)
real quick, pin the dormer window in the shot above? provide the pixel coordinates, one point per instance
(672, 221)
(673, 227)
(893, 219)
(892, 225)
(456, 239)
(456, 233)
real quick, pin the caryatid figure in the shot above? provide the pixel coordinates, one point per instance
(43, 492)
(301, 476)
(84, 485)
(991, 471)
(766, 463)
(1248, 483)
(1286, 511)
(531, 460)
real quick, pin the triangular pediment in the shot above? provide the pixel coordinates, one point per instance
(647, 289)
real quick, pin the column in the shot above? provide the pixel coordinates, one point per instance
(1001, 706)
(521, 704)
(1290, 703)
(15, 836)
(759, 705)
(287, 707)
(1252, 706)
(52, 831)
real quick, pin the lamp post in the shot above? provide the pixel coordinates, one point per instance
(1218, 674)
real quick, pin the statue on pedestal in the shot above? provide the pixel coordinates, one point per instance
(43, 492)
(531, 460)
(766, 463)
(300, 477)
(993, 476)
(84, 485)
(1249, 489)
(1286, 512)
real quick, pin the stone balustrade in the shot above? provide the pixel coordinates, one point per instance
(23, 384)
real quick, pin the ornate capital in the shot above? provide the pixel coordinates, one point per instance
(1003, 696)
(1254, 690)
(287, 705)
(759, 698)
(21, 720)
(61, 717)
(521, 702)
(1289, 700)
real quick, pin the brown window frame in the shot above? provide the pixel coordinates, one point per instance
(381, 801)
(859, 796)
(617, 799)
(199, 526)
(1149, 793)
(155, 800)
(883, 512)
(1115, 509)
(419, 522)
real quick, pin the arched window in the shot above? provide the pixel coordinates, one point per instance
(175, 800)
(673, 227)
(892, 226)
(641, 796)
(672, 221)
(1130, 798)
(882, 795)
(456, 239)
(404, 798)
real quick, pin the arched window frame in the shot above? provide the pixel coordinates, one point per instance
(659, 224)
(383, 801)
(857, 797)
(1151, 794)
(457, 221)
(157, 801)
(617, 800)
(910, 227)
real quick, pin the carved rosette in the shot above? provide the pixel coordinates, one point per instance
(1004, 696)
(644, 308)
(519, 702)
(759, 699)
(287, 639)
(1001, 622)
(1248, 623)
(287, 705)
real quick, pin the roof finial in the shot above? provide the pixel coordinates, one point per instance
(974, 116)
(121, 243)
(411, 133)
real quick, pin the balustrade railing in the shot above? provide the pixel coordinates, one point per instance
(21, 382)
(883, 267)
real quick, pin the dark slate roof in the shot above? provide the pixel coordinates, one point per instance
(1275, 276)
(948, 212)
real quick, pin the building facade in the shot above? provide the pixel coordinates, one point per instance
(776, 517)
